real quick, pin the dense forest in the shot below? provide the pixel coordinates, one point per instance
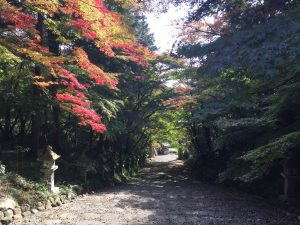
(242, 93)
(83, 77)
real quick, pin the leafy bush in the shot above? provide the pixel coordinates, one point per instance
(258, 162)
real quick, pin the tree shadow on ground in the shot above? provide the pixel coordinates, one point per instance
(165, 194)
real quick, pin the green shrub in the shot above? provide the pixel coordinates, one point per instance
(258, 162)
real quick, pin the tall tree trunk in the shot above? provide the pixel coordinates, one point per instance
(36, 120)
(207, 134)
(22, 130)
(54, 48)
(36, 117)
(6, 131)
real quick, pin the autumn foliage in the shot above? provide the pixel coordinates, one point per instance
(88, 20)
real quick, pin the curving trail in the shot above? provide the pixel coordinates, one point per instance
(163, 194)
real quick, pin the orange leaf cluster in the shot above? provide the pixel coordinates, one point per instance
(94, 71)
(89, 20)
(181, 102)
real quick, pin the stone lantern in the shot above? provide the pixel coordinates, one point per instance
(48, 159)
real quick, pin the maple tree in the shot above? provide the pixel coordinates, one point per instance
(79, 78)
(66, 21)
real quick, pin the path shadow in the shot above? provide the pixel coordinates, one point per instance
(169, 196)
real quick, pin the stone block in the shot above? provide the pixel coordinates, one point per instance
(70, 196)
(48, 204)
(6, 221)
(25, 208)
(63, 199)
(17, 211)
(18, 217)
(9, 213)
(1, 215)
(34, 211)
(40, 206)
(7, 203)
(52, 200)
(57, 199)
(27, 213)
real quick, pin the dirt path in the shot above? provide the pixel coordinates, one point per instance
(162, 194)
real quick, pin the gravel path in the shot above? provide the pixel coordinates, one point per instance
(163, 194)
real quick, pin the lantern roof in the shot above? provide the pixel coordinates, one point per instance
(49, 155)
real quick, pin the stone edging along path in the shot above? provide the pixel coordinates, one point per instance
(11, 211)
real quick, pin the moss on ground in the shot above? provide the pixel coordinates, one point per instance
(26, 191)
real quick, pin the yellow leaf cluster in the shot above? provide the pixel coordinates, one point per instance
(107, 25)
(43, 6)
(44, 84)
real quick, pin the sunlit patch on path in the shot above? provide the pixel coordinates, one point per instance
(163, 194)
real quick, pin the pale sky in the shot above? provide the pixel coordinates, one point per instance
(164, 27)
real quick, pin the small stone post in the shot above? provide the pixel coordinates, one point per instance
(291, 176)
(2, 169)
(84, 163)
(49, 167)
